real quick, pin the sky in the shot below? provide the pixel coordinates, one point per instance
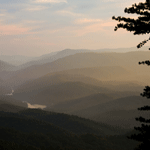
(37, 27)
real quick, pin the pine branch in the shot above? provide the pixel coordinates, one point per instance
(138, 26)
(138, 9)
(142, 43)
(137, 137)
(143, 129)
(141, 119)
(147, 62)
(146, 92)
(144, 108)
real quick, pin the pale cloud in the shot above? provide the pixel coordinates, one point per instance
(126, 3)
(94, 28)
(108, 24)
(118, 1)
(70, 13)
(1, 15)
(50, 1)
(44, 25)
(88, 29)
(32, 22)
(36, 8)
(85, 20)
(47, 43)
(53, 31)
(108, 1)
(77, 31)
(13, 30)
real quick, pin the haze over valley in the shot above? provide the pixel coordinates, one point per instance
(80, 83)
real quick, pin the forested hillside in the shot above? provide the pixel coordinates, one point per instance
(37, 129)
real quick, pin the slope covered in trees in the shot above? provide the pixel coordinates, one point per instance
(46, 130)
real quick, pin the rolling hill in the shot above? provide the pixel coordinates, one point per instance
(5, 66)
(123, 111)
(47, 58)
(58, 87)
(128, 63)
(80, 103)
(8, 103)
(57, 93)
(122, 117)
(66, 93)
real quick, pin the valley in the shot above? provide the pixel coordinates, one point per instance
(75, 92)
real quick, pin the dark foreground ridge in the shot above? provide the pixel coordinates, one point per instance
(42, 130)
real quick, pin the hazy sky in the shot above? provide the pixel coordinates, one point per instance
(36, 27)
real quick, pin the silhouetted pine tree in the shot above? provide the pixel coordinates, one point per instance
(140, 25)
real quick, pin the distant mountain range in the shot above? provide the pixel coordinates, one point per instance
(94, 85)
(16, 60)
(127, 64)
(26, 61)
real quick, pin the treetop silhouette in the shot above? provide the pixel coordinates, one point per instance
(139, 25)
